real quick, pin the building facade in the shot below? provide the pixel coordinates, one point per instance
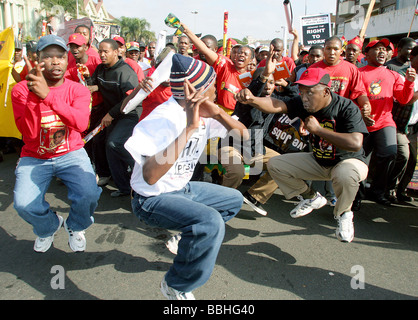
(22, 15)
(393, 19)
(25, 16)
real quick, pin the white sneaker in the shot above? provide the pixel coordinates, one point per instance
(173, 294)
(173, 243)
(345, 229)
(76, 240)
(102, 181)
(306, 206)
(43, 244)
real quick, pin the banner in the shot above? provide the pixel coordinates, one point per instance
(315, 29)
(7, 48)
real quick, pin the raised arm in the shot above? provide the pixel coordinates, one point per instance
(200, 45)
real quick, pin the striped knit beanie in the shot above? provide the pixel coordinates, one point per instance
(200, 74)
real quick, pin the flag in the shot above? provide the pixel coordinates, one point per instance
(225, 32)
(7, 48)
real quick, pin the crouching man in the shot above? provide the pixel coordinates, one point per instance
(336, 130)
(51, 112)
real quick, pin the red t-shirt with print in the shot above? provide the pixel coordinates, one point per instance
(227, 83)
(345, 78)
(51, 127)
(383, 85)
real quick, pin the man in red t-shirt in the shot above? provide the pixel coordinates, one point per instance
(83, 65)
(227, 71)
(383, 85)
(80, 71)
(278, 55)
(51, 112)
(345, 77)
(86, 33)
(353, 51)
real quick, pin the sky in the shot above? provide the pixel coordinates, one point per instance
(261, 19)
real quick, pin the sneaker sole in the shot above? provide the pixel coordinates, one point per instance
(293, 215)
(163, 290)
(343, 240)
(61, 222)
(255, 208)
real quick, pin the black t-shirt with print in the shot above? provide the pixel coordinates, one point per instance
(341, 115)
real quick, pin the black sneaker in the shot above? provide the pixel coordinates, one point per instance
(381, 199)
(254, 204)
(404, 198)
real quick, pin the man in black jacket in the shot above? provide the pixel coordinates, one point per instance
(115, 80)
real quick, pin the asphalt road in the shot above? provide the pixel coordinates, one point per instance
(262, 258)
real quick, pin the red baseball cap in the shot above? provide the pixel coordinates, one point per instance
(356, 41)
(77, 39)
(384, 41)
(313, 76)
(119, 39)
(391, 46)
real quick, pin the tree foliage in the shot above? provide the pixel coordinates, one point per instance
(69, 7)
(135, 29)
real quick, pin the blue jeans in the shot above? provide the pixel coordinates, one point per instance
(199, 211)
(33, 177)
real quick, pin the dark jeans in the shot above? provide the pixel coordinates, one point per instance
(383, 144)
(118, 157)
(110, 156)
(412, 161)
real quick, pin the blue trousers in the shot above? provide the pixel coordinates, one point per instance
(33, 177)
(199, 211)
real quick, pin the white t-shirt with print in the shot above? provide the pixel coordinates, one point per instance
(157, 131)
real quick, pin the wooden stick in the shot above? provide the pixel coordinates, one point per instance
(367, 19)
(413, 18)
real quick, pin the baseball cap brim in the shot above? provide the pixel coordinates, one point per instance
(50, 40)
(384, 41)
(325, 80)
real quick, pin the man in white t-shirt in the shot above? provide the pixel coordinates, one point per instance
(166, 146)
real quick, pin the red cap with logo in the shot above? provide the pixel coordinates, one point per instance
(384, 41)
(119, 39)
(77, 39)
(356, 41)
(314, 76)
